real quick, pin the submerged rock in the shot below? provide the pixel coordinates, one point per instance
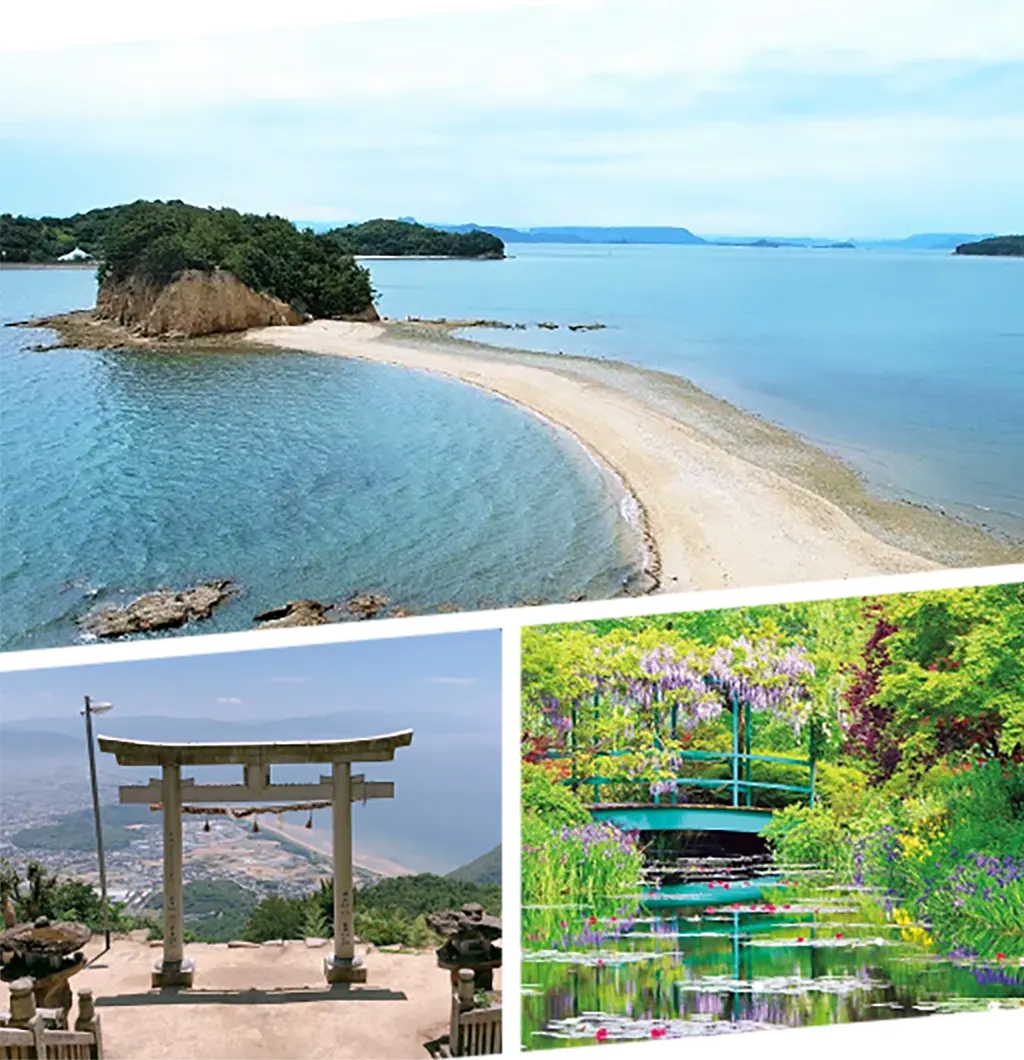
(165, 609)
(294, 613)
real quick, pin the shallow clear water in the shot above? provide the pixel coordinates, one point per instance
(294, 475)
(714, 970)
(908, 365)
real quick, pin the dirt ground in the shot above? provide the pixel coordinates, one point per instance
(268, 1001)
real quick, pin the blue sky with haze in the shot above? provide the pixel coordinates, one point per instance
(456, 676)
(791, 118)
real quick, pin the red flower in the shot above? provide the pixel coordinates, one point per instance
(658, 1032)
(591, 919)
(1000, 956)
(839, 934)
(710, 909)
(800, 939)
(602, 1034)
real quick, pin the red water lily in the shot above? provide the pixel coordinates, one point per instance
(602, 1034)
(659, 1032)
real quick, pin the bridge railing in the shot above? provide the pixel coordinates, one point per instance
(738, 785)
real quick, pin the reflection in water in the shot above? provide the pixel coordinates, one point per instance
(829, 956)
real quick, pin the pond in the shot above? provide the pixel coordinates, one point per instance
(794, 955)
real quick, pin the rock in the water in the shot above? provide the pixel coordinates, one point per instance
(294, 613)
(165, 609)
(367, 605)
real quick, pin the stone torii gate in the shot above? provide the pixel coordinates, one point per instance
(340, 788)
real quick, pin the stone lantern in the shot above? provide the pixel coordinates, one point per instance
(471, 934)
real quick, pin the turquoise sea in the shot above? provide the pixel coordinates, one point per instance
(295, 475)
(907, 364)
(304, 476)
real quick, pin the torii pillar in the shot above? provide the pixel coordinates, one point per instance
(341, 788)
(343, 966)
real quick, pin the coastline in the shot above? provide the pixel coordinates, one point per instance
(771, 507)
(726, 498)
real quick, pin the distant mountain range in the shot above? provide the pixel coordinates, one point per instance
(585, 234)
(674, 235)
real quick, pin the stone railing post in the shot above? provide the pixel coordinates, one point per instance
(23, 1003)
(88, 1022)
(23, 1012)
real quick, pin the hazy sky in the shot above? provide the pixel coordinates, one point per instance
(457, 675)
(832, 117)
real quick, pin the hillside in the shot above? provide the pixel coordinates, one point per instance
(43, 240)
(483, 870)
(997, 246)
(76, 830)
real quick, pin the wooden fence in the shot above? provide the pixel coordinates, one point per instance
(473, 1031)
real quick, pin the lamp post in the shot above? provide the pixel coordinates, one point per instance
(91, 709)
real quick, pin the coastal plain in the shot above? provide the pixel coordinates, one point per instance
(727, 499)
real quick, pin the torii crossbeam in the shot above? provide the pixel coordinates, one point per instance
(341, 788)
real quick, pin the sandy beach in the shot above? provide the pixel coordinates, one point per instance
(715, 517)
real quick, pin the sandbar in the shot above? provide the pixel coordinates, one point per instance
(716, 512)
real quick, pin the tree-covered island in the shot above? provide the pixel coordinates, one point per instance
(170, 268)
(996, 246)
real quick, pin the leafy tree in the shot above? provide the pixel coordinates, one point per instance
(276, 918)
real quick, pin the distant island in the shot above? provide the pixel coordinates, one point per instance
(170, 268)
(405, 238)
(997, 246)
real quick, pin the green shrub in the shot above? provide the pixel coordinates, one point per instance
(546, 797)
(810, 837)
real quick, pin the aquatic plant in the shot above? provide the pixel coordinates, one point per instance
(579, 882)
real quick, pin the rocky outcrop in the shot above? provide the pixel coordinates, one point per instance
(369, 315)
(366, 605)
(166, 609)
(193, 303)
(294, 613)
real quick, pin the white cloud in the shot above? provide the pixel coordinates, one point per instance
(650, 111)
(47, 25)
(559, 52)
(450, 680)
(228, 699)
